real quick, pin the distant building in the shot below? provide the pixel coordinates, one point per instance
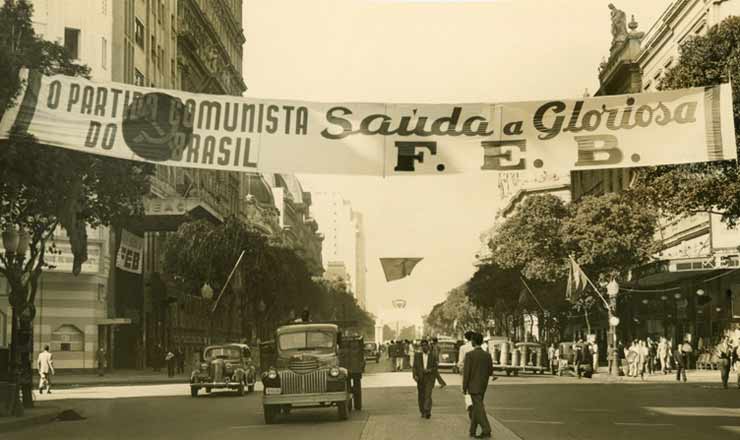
(344, 240)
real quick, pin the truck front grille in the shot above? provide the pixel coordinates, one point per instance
(303, 366)
(313, 382)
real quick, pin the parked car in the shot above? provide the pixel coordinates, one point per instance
(372, 352)
(227, 366)
(448, 352)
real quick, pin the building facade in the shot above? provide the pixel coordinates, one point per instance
(690, 289)
(72, 313)
(344, 241)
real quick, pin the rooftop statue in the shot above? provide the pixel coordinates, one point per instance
(619, 25)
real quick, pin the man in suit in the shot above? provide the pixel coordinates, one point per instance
(435, 350)
(425, 374)
(478, 368)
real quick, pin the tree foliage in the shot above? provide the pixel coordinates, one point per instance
(455, 314)
(277, 284)
(530, 239)
(701, 187)
(609, 234)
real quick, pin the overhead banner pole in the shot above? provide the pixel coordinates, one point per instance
(228, 280)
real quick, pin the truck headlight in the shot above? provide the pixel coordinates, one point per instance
(272, 374)
(334, 372)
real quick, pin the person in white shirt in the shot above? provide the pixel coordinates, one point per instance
(595, 351)
(464, 349)
(45, 366)
(424, 373)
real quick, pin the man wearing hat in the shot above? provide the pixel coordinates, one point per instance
(425, 375)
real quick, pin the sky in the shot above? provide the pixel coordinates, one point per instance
(426, 51)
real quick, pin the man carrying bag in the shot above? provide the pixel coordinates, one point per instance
(477, 370)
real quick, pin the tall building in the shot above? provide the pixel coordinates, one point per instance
(344, 244)
(72, 314)
(690, 288)
(122, 302)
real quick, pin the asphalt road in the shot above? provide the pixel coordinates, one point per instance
(532, 408)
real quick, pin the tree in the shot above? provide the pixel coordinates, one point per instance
(276, 282)
(44, 188)
(610, 234)
(530, 239)
(701, 187)
(457, 312)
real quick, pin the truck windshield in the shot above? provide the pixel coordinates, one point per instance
(223, 353)
(315, 340)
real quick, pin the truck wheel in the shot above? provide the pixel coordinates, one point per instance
(194, 391)
(357, 394)
(270, 414)
(342, 410)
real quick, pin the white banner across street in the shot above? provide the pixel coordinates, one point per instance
(218, 132)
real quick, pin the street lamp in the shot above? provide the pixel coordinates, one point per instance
(612, 289)
(16, 244)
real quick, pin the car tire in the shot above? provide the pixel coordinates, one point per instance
(194, 391)
(342, 410)
(270, 414)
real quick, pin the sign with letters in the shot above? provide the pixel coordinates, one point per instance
(218, 132)
(130, 252)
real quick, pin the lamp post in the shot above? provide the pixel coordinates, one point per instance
(612, 289)
(16, 244)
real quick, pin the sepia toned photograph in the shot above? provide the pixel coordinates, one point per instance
(369, 219)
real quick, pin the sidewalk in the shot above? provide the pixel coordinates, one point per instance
(118, 377)
(41, 413)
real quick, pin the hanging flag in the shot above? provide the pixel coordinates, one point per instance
(397, 268)
(577, 281)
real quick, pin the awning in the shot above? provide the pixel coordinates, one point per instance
(663, 272)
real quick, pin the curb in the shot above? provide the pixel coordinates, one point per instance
(46, 415)
(122, 382)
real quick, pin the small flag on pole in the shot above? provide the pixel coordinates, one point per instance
(397, 268)
(577, 281)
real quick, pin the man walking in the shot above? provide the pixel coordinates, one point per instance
(45, 366)
(170, 360)
(724, 352)
(680, 358)
(464, 350)
(101, 360)
(478, 369)
(425, 374)
(435, 350)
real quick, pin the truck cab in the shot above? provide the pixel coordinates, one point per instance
(305, 372)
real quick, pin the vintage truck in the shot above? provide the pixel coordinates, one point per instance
(301, 368)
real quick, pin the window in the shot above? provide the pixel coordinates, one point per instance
(67, 338)
(104, 53)
(139, 33)
(161, 11)
(138, 78)
(72, 42)
(153, 48)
